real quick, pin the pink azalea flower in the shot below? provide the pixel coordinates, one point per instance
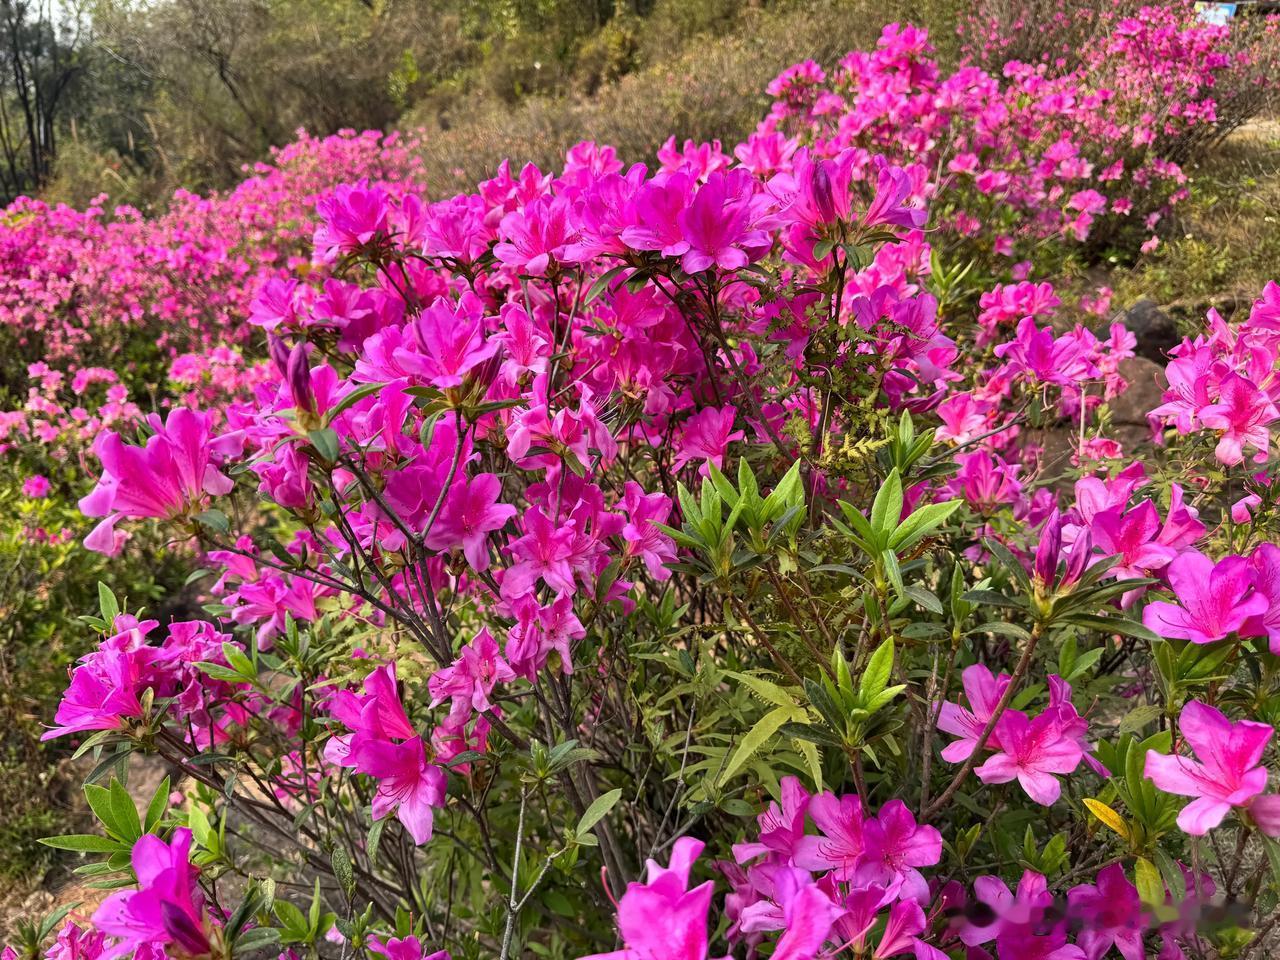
(842, 844)
(1241, 414)
(377, 714)
(352, 216)
(536, 237)
(706, 436)
(407, 783)
(543, 553)
(470, 680)
(1214, 599)
(449, 342)
(168, 476)
(643, 538)
(1032, 751)
(1025, 908)
(807, 917)
(471, 512)
(890, 207)
(74, 943)
(1110, 914)
(1131, 535)
(896, 846)
(1037, 353)
(983, 692)
(718, 224)
(166, 908)
(781, 825)
(409, 948)
(901, 931)
(1227, 774)
(36, 487)
(106, 687)
(662, 919)
(1266, 566)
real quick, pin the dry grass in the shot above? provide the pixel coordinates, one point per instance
(713, 88)
(1225, 244)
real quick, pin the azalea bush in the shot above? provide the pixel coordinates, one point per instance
(1084, 144)
(670, 562)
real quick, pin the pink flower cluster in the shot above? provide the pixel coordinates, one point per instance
(1031, 150)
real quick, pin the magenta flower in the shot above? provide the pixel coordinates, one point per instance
(165, 478)
(75, 943)
(662, 919)
(890, 207)
(408, 948)
(471, 512)
(1131, 535)
(1266, 566)
(105, 688)
(166, 909)
(449, 342)
(1032, 752)
(36, 487)
(1049, 552)
(1110, 913)
(1026, 907)
(470, 679)
(1228, 772)
(706, 437)
(983, 692)
(543, 553)
(642, 535)
(1037, 353)
(842, 844)
(781, 825)
(901, 931)
(896, 846)
(408, 785)
(377, 714)
(807, 916)
(352, 216)
(1214, 600)
(718, 224)
(1241, 414)
(536, 237)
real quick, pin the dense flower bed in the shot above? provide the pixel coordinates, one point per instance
(605, 518)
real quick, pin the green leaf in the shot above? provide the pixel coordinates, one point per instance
(326, 444)
(85, 843)
(924, 598)
(1147, 879)
(1120, 625)
(921, 523)
(255, 938)
(876, 675)
(989, 598)
(215, 520)
(599, 808)
(601, 283)
(343, 871)
(1139, 717)
(374, 840)
(764, 688)
(1003, 629)
(156, 808)
(886, 509)
(107, 603)
(756, 738)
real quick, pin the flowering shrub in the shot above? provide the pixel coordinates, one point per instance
(1084, 145)
(641, 564)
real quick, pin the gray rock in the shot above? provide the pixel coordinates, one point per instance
(1156, 331)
